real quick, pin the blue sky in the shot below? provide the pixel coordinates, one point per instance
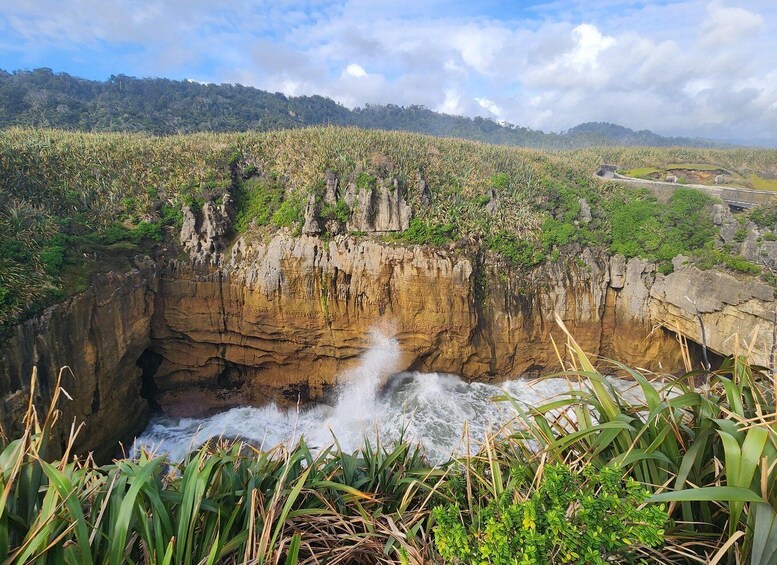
(681, 67)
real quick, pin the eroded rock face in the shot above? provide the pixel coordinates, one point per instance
(284, 317)
(202, 234)
(378, 209)
(293, 313)
(735, 313)
(99, 336)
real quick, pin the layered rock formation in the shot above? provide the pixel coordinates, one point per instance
(95, 339)
(375, 205)
(284, 317)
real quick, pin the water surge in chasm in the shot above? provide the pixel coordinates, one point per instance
(372, 399)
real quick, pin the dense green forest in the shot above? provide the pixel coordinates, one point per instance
(42, 98)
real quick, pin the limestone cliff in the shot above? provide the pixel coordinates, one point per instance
(97, 336)
(283, 317)
(290, 314)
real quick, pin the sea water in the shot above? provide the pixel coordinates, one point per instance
(373, 401)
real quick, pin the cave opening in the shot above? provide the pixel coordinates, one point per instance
(696, 353)
(149, 362)
(231, 376)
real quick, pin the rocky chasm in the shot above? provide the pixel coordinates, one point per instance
(281, 318)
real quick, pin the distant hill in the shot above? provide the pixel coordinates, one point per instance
(42, 98)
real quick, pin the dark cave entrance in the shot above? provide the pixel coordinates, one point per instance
(149, 362)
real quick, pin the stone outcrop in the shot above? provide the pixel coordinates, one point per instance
(737, 315)
(282, 318)
(202, 234)
(96, 339)
(378, 209)
(312, 223)
(378, 206)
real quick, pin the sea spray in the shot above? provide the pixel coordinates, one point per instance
(430, 409)
(357, 409)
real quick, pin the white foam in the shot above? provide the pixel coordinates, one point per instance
(430, 408)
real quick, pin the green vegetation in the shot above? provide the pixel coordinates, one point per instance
(257, 200)
(42, 98)
(760, 183)
(644, 228)
(289, 214)
(338, 212)
(365, 181)
(686, 474)
(422, 233)
(641, 172)
(517, 252)
(764, 216)
(224, 503)
(709, 257)
(558, 516)
(74, 204)
(692, 167)
(743, 170)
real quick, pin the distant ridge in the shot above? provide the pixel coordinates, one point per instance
(43, 98)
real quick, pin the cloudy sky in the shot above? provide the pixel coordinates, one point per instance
(680, 67)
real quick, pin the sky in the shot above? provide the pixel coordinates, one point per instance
(678, 67)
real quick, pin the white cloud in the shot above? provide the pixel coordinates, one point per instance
(354, 70)
(699, 67)
(590, 43)
(579, 64)
(479, 46)
(451, 104)
(490, 106)
(729, 24)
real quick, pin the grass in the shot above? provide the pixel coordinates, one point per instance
(123, 187)
(760, 183)
(642, 172)
(687, 473)
(693, 167)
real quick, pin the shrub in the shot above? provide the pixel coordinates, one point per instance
(288, 213)
(256, 201)
(666, 438)
(641, 227)
(422, 233)
(764, 216)
(339, 212)
(570, 517)
(6, 295)
(53, 259)
(365, 181)
(500, 181)
(145, 231)
(710, 257)
(555, 232)
(116, 233)
(225, 503)
(518, 252)
(171, 216)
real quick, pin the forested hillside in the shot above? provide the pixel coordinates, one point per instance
(42, 98)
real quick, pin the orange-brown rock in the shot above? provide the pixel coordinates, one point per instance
(285, 316)
(293, 313)
(97, 337)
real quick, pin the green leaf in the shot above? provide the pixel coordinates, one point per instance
(708, 494)
(293, 555)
